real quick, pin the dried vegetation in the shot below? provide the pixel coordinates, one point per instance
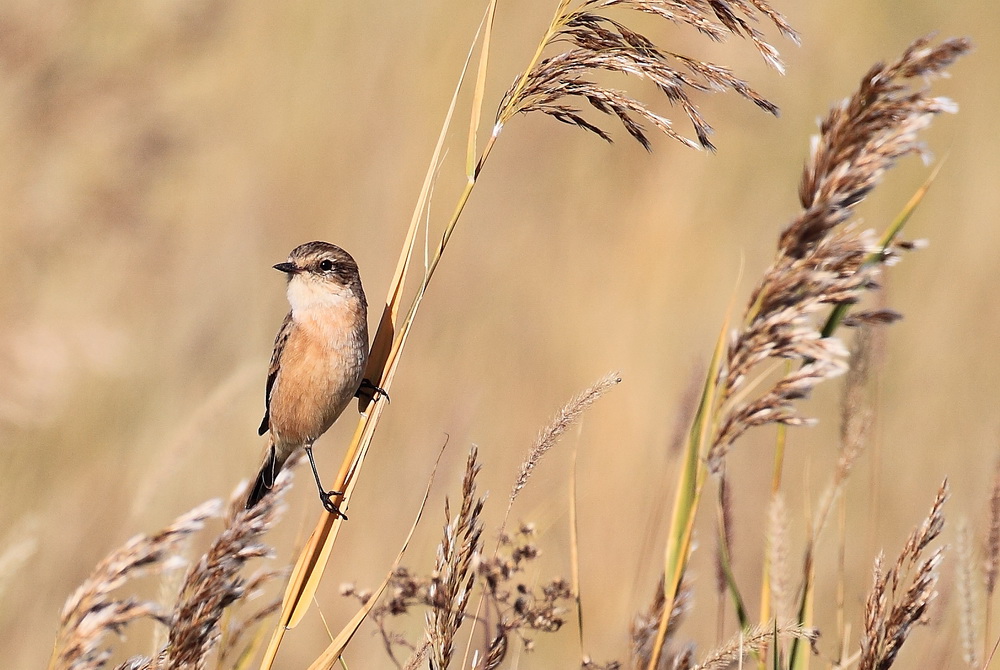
(781, 348)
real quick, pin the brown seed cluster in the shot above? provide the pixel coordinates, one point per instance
(824, 260)
(211, 587)
(901, 595)
(599, 43)
(512, 606)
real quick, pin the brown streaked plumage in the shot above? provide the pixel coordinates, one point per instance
(319, 358)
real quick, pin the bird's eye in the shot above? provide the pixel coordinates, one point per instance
(326, 265)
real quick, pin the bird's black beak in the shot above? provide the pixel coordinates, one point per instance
(287, 268)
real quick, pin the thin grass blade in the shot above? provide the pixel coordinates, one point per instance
(692, 477)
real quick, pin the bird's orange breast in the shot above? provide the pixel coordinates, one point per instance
(320, 369)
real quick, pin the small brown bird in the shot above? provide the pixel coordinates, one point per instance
(319, 359)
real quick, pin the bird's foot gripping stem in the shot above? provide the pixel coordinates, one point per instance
(325, 497)
(369, 391)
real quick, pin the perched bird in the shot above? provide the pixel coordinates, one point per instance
(318, 362)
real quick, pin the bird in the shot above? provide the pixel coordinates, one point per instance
(319, 360)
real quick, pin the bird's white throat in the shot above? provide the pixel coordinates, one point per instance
(306, 294)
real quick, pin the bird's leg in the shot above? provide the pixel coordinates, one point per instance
(326, 497)
(368, 391)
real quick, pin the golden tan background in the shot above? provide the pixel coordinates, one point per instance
(159, 157)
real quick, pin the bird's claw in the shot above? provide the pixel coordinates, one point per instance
(326, 497)
(372, 391)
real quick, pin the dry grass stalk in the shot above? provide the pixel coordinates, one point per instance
(642, 632)
(822, 262)
(453, 575)
(900, 596)
(750, 641)
(599, 43)
(566, 417)
(968, 611)
(92, 612)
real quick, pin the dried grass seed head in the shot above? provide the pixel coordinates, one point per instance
(598, 43)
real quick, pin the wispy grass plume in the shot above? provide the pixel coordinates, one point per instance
(751, 641)
(92, 612)
(211, 586)
(597, 43)
(822, 262)
(550, 435)
(901, 594)
(215, 582)
(453, 575)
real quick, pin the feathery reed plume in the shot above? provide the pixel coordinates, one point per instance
(901, 595)
(967, 615)
(599, 43)
(496, 651)
(235, 631)
(566, 417)
(215, 582)
(856, 414)
(91, 612)
(212, 585)
(685, 410)
(453, 575)
(822, 262)
(751, 641)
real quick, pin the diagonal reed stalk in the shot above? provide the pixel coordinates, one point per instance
(332, 654)
(598, 43)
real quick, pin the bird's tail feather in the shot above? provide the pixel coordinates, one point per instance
(265, 478)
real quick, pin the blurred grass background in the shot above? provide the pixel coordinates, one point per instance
(160, 157)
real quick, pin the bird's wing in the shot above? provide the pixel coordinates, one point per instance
(272, 372)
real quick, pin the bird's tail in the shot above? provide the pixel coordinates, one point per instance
(265, 478)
